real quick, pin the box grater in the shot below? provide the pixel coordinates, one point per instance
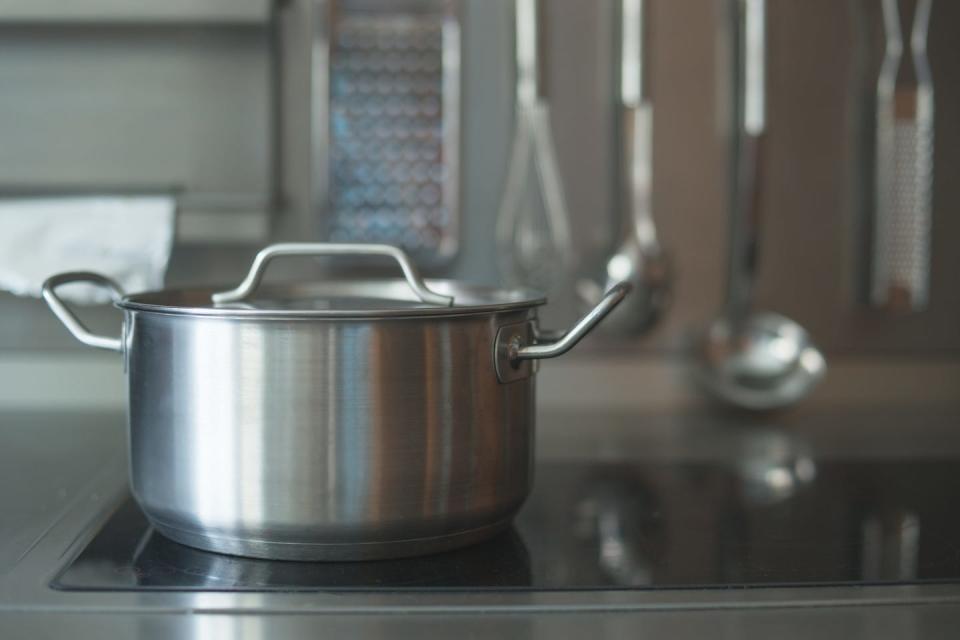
(394, 85)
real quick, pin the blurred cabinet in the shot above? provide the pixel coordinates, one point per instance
(118, 96)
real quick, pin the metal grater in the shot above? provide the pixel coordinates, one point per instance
(394, 126)
(904, 197)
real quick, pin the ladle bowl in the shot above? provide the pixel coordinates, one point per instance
(767, 363)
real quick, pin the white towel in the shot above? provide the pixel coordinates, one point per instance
(125, 238)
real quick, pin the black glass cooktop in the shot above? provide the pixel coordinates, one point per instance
(597, 525)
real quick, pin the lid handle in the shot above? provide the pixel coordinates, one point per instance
(250, 283)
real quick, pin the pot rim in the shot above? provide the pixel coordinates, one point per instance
(196, 301)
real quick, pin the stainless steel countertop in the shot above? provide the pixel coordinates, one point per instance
(60, 476)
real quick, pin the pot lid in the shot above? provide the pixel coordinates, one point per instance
(351, 297)
(337, 298)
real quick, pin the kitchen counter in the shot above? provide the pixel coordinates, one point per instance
(61, 475)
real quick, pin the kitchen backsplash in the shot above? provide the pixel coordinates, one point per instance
(212, 101)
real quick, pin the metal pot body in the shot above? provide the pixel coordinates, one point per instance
(356, 420)
(338, 439)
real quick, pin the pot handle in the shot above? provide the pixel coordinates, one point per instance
(572, 336)
(67, 317)
(250, 283)
(518, 342)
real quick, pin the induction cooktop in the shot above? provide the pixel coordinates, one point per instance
(617, 525)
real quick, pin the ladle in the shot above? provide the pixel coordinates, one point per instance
(753, 360)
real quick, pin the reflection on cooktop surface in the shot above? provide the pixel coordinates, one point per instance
(594, 525)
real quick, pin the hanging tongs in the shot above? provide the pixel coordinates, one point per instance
(532, 250)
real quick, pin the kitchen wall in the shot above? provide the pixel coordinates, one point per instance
(209, 100)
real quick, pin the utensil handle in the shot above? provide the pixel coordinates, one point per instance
(637, 175)
(67, 317)
(750, 125)
(530, 40)
(753, 60)
(572, 336)
(634, 65)
(255, 275)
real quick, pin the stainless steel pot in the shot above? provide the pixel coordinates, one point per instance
(349, 419)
